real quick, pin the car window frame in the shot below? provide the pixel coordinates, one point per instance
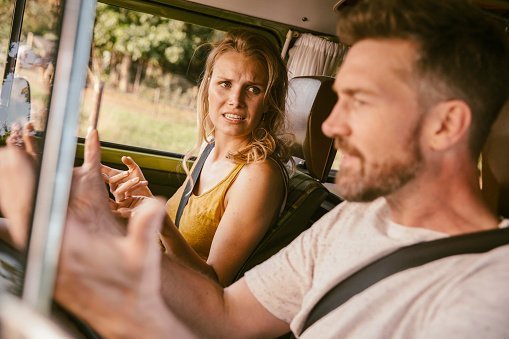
(57, 161)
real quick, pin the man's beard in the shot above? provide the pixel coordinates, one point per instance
(380, 179)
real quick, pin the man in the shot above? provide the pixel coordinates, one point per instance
(418, 92)
(16, 200)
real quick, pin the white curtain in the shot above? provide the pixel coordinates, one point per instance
(312, 55)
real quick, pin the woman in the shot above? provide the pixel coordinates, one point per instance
(241, 188)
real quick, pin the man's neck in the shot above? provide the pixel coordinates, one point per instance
(448, 204)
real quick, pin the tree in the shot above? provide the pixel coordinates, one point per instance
(129, 37)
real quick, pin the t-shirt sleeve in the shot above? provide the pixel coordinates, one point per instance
(281, 283)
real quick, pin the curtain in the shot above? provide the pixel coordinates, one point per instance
(312, 55)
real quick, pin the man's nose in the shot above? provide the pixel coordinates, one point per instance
(336, 123)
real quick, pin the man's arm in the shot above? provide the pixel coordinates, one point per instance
(213, 311)
(112, 282)
(17, 181)
(109, 276)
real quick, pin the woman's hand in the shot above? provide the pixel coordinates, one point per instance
(128, 187)
(124, 209)
(124, 184)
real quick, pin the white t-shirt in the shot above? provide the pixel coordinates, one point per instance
(464, 296)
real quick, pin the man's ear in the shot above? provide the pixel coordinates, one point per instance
(448, 123)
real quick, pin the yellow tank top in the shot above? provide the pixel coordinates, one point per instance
(201, 216)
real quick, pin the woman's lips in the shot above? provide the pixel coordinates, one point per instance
(234, 117)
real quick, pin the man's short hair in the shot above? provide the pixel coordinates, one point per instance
(462, 52)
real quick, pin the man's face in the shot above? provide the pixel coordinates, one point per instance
(376, 121)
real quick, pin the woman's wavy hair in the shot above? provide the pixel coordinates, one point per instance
(270, 138)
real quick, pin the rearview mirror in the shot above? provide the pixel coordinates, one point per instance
(14, 106)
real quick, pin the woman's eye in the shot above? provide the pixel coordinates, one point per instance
(225, 84)
(254, 90)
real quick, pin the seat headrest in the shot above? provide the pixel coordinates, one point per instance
(495, 165)
(310, 100)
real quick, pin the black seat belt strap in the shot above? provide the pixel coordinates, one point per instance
(188, 190)
(402, 259)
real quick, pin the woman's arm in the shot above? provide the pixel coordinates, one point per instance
(252, 205)
(177, 248)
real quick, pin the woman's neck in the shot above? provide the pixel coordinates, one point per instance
(227, 145)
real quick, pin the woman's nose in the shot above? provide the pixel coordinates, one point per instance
(235, 97)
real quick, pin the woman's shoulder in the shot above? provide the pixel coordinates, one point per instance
(264, 171)
(269, 166)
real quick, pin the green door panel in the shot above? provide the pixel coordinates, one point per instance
(164, 172)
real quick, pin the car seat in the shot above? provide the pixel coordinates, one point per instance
(309, 102)
(495, 165)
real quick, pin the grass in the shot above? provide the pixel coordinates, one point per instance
(125, 118)
(131, 120)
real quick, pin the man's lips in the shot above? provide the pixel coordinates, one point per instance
(348, 160)
(346, 149)
(348, 154)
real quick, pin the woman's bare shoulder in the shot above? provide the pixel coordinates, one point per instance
(266, 170)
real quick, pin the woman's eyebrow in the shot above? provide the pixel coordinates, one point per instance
(256, 83)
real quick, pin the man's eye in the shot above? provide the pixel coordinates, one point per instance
(254, 90)
(358, 102)
(225, 84)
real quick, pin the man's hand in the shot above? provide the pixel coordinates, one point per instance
(88, 202)
(107, 277)
(23, 138)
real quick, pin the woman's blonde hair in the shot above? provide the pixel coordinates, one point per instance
(270, 137)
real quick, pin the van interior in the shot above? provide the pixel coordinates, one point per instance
(136, 65)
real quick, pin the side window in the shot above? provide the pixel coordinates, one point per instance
(7, 7)
(34, 64)
(150, 68)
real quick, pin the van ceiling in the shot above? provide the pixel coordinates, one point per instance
(497, 7)
(314, 15)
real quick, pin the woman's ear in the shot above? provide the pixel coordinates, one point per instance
(447, 124)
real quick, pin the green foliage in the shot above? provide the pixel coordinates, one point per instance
(6, 8)
(32, 23)
(34, 11)
(165, 43)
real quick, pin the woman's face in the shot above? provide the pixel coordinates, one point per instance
(236, 95)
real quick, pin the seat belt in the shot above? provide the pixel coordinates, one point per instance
(402, 259)
(188, 190)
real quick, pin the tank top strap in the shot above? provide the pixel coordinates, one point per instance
(286, 182)
(228, 181)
